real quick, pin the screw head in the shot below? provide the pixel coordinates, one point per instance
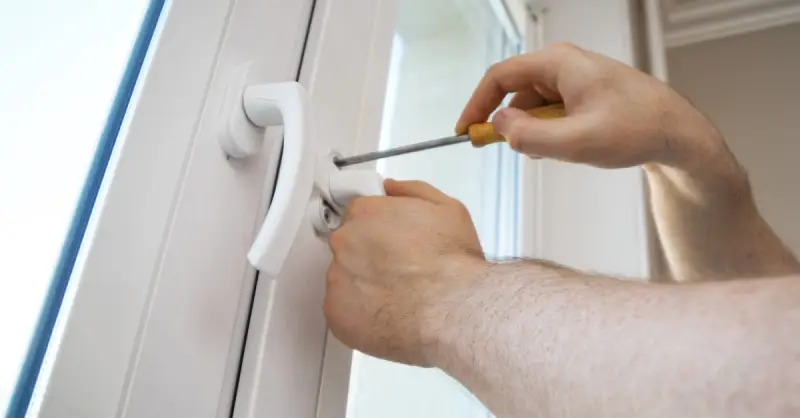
(326, 215)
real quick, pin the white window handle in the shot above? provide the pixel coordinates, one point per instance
(309, 184)
(349, 184)
(272, 105)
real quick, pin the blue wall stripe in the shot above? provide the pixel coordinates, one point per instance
(29, 372)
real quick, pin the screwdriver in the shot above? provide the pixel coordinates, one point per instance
(479, 134)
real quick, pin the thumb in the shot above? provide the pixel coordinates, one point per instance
(551, 138)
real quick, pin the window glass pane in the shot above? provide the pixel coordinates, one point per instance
(441, 50)
(66, 77)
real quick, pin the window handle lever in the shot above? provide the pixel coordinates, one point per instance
(276, 104)
(309, 185)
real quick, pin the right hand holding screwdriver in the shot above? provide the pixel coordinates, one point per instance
(616, 117)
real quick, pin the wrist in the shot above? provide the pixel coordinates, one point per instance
(465, 320)
(446, 319)
(698, 160)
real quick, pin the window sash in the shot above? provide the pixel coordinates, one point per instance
(162, 291)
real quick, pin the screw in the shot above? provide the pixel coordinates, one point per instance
(326, 215)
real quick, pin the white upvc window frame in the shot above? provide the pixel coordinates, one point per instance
(530, 172)
(164, 293)
(344, 72)
(585, 217)
(161, 291)
(337, 363)
(559, 212)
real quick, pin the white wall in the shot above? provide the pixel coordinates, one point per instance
(594, 219)
(749, 85)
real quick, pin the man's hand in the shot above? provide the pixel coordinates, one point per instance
(409, 283)
(396, 260)
(617, 116)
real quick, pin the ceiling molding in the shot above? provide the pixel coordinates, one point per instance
(692, 21)
(690, 11)
(736, 25)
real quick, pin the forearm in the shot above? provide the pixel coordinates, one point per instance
(713, 234)
(530, 340)
(704, 211)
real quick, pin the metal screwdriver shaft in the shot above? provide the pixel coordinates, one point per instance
(377, 155)
(479, 134)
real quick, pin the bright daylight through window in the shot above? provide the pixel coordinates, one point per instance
(440, 51)
(62, 64)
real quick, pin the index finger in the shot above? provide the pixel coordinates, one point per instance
(417, 189)
(511, 75)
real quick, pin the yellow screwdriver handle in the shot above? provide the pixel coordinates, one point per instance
(481, 134)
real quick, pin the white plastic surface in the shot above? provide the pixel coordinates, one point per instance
(284, 104)
(161, 288)
(300, 174)
(350, 184)
(239, 137)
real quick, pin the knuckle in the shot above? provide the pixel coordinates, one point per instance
(494, 69)
(514, 142)
(563, 47)
(460, 207)
(331, 276)
(357, 207)
(336, 240)
(338, 320)
(413, 184)
(362, 206)
(516, 135)
(331, 302)
(515, 130)
(336, 326)
(329, 308)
